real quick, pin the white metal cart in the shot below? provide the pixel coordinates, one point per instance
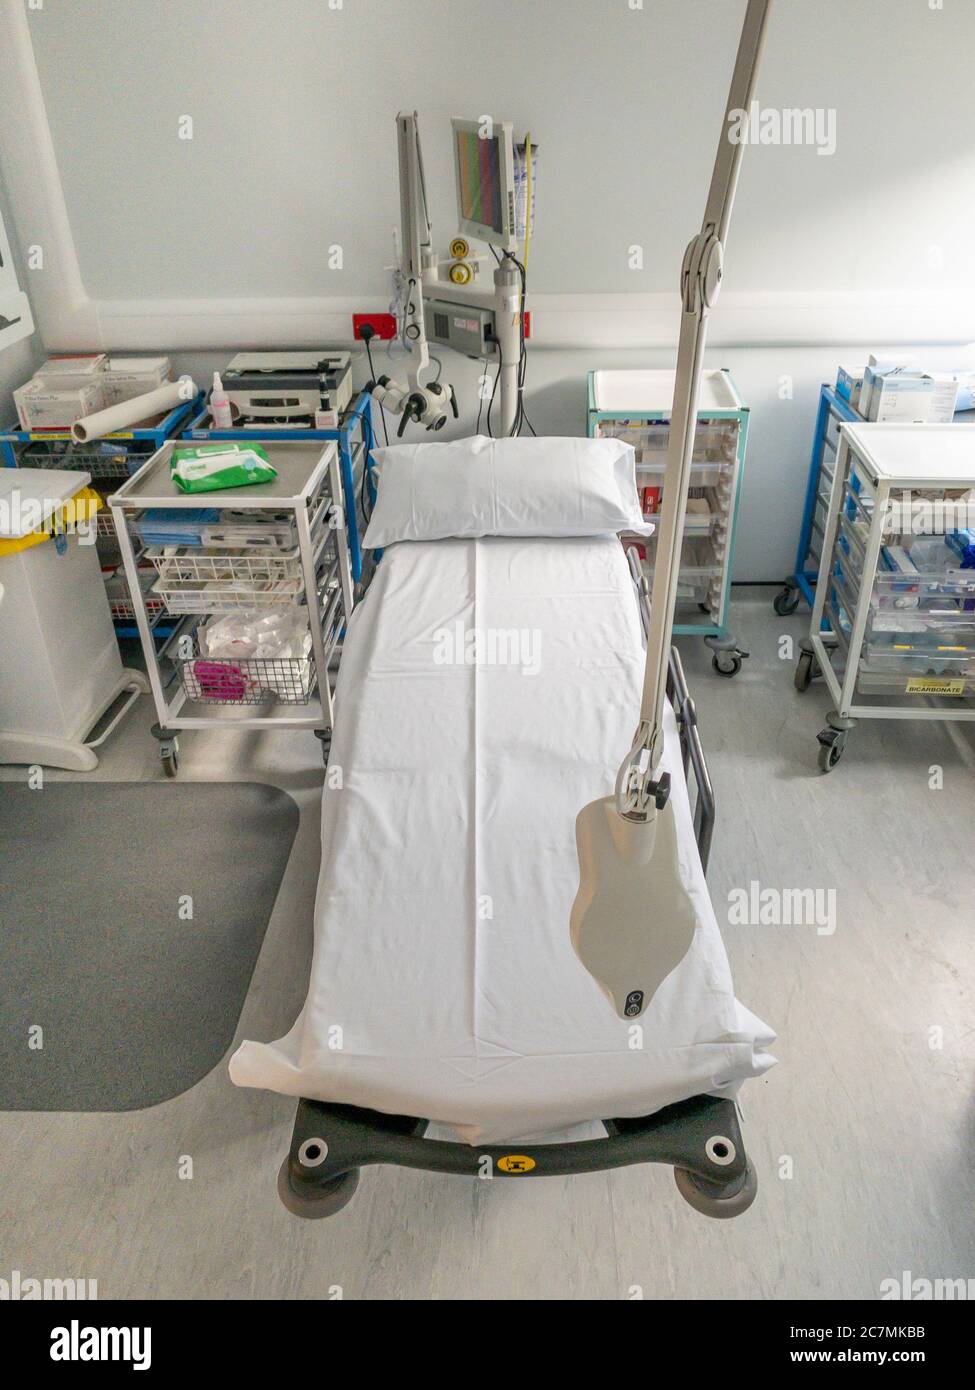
(636, 406)
(277, 545)
(896, 598)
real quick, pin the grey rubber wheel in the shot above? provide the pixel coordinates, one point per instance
(726, 663)
(719, 1207)
(786, 602)
(330, 1198)
(830, 753)
(804, 672)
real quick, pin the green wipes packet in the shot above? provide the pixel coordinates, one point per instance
(211, 467)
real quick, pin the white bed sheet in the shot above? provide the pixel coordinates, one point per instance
(444, 984)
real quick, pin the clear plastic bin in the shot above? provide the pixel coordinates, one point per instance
(714, 442)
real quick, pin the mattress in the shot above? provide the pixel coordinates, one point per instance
(488, 690)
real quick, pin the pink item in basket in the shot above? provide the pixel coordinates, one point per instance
(219, 680)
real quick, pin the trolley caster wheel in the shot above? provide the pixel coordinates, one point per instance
(804, 671)
(697, 1196)
(786, 602)
(704, 608)
(169, 753)
(831, 748)
(329, 1198)
(726, 663)
(325, 739)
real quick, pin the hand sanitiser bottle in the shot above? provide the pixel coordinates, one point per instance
(221, 416)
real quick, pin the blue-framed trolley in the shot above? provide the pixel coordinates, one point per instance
(109, 461)
(833, 411)
(636, 406)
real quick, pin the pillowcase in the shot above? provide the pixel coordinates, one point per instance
(504, 487)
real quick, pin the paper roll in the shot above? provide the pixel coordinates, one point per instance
(129, 413)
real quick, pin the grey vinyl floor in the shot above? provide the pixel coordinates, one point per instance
(863, 1135)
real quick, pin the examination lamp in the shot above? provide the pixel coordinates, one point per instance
(424, 404)
(632, 921)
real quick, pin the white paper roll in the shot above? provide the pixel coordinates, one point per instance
(135, 411)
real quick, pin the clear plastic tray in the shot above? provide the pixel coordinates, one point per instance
(947, 685)
(238, 530)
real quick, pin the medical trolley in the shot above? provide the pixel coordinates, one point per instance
(635, 406)
(272, 556)
(893, 625)
(354, 438)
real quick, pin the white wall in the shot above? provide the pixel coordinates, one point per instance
(220, 242)
(19, 360)
(293, 146)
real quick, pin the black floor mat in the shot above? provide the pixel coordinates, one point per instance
(131, 918)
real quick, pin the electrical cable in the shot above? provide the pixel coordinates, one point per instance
(480, 395)
(372, 373)
(494, 390)
(367, 443)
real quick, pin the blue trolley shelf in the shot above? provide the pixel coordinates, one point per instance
(833, 411)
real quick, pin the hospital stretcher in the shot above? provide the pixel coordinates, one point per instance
(437, 1038)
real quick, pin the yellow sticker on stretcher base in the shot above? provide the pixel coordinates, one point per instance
(516, 1163)
(932, 685)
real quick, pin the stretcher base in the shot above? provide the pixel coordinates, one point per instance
(700, 1138)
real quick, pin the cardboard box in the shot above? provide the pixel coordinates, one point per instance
(849, 384)
(73, 364)
(128, 377)
(44, 407)
(912, 397)
(880, 366)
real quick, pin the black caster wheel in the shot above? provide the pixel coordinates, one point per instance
(804, 671)
(726, 663)
(330, 1198)
(720, 1207)
(786, 602)
(325, 739)
(169, 753)
(704, 607)
(831, 748)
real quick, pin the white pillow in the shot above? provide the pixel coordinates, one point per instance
(504, 487)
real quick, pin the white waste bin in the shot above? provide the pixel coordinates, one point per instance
(60, 669)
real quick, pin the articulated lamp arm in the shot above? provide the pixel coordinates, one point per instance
(639, 790)
(423, 403)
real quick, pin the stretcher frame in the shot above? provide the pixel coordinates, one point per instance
(700, 1137)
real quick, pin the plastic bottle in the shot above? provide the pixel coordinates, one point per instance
(221, 416)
